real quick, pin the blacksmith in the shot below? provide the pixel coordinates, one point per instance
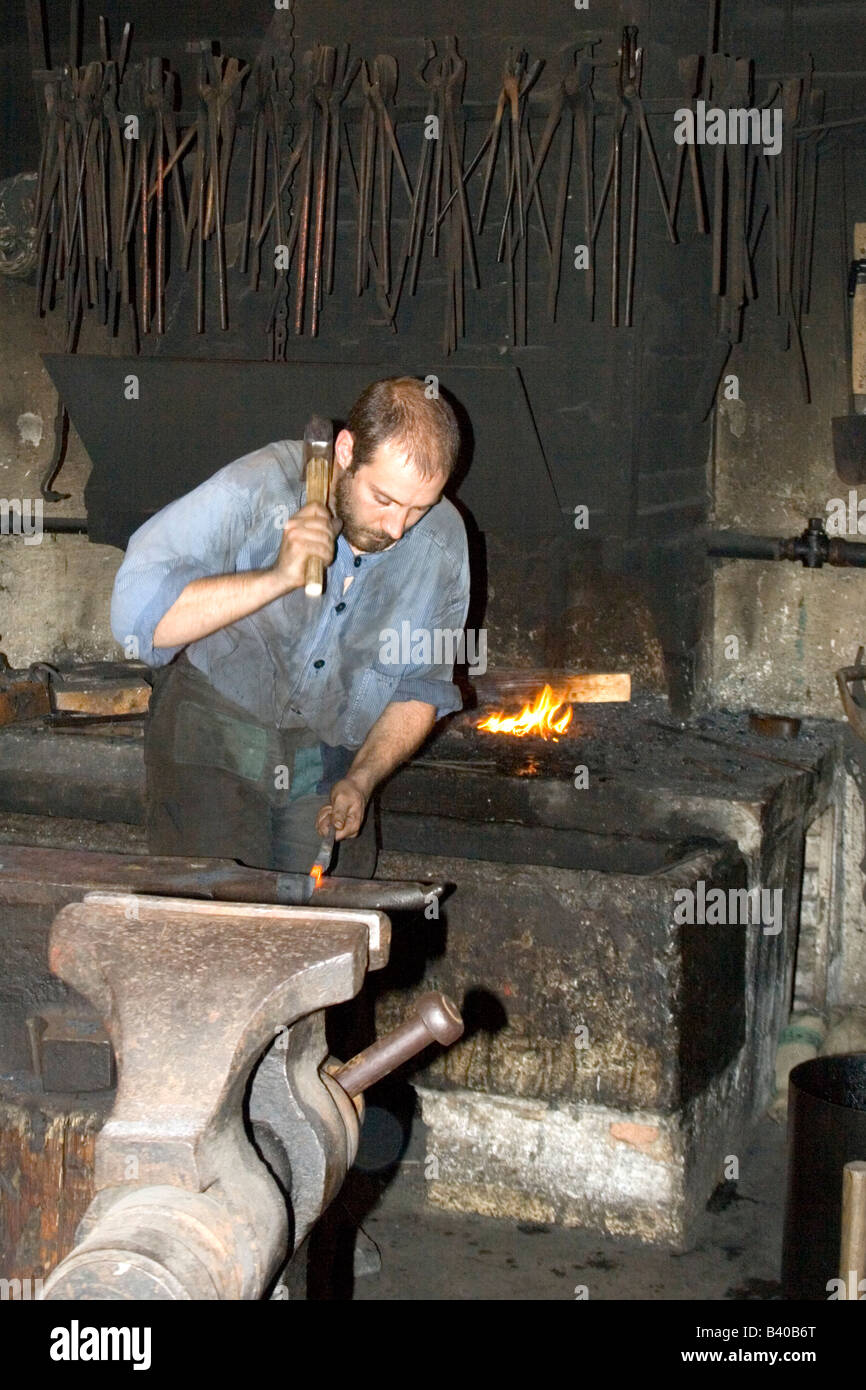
(274, 715)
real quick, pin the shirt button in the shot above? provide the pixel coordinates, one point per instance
(339, 608)
(318, 664)
(357, 561)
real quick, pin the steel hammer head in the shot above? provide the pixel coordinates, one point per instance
(318, 438)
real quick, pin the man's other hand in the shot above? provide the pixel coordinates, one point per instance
(345, 810)
(312, 531)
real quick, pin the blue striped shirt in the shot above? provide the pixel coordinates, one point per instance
(329, 664)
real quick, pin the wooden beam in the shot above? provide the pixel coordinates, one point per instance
(590, 690)
(513, 688)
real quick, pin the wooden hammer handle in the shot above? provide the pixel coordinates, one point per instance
(852, 1255)
(318, 482)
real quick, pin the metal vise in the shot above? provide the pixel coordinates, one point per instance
(190, 1202)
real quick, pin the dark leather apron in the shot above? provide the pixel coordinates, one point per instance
(221, 784)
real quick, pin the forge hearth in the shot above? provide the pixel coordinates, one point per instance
(612, 1060)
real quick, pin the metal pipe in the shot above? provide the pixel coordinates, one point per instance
(733, 545)
(813, 548)
(69, 525)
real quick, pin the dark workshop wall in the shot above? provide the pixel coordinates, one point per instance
(774, 453)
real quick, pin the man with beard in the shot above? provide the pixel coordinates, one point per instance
(275, 715)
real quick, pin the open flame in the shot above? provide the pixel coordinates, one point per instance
(317, 874)
(542, 718)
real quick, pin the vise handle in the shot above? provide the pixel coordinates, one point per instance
(434, 1018)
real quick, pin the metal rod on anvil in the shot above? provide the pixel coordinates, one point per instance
(318, 459)
(60, 876)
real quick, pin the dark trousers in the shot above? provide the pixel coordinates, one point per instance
(220, 784)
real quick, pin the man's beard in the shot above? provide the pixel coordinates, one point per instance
(361, 537)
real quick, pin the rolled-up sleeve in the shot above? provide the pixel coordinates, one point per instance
(441, 693)
(192, 538)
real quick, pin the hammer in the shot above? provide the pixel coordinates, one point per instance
(318, 458)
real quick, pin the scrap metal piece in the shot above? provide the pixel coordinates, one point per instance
(85, 693)
(774, 725)
(71, 1050)
(100, 689)
(20, 700)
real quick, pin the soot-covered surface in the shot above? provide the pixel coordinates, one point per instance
(641, 737)
(625, 789)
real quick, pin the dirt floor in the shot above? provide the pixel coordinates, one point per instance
(413, 1251)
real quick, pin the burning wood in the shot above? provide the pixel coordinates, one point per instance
(550, 714)
(539, 718)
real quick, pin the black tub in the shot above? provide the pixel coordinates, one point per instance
(826, 1130)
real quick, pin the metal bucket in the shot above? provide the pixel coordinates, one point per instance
(826, 1130)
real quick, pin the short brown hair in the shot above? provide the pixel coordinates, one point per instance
(398, 408)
